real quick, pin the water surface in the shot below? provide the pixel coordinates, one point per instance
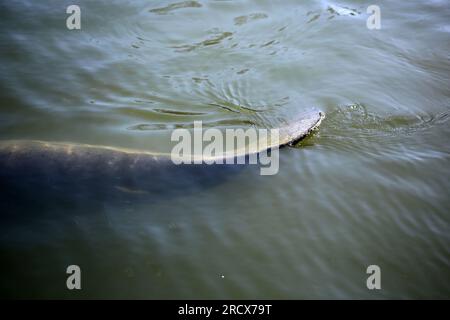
(370, 187)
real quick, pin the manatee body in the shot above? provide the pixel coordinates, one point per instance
(51, 171)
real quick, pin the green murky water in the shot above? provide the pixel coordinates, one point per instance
(371, 187)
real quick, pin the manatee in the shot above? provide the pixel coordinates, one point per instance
(43, 172)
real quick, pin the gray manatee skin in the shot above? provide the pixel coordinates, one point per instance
(40, 185)
(36, 173)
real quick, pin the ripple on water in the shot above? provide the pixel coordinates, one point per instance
(216, 39)
(355, 127)
(175, 6)
(241, 20)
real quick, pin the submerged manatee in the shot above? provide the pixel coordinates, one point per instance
(53, 171)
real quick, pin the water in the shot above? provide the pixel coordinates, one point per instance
(370, 187)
